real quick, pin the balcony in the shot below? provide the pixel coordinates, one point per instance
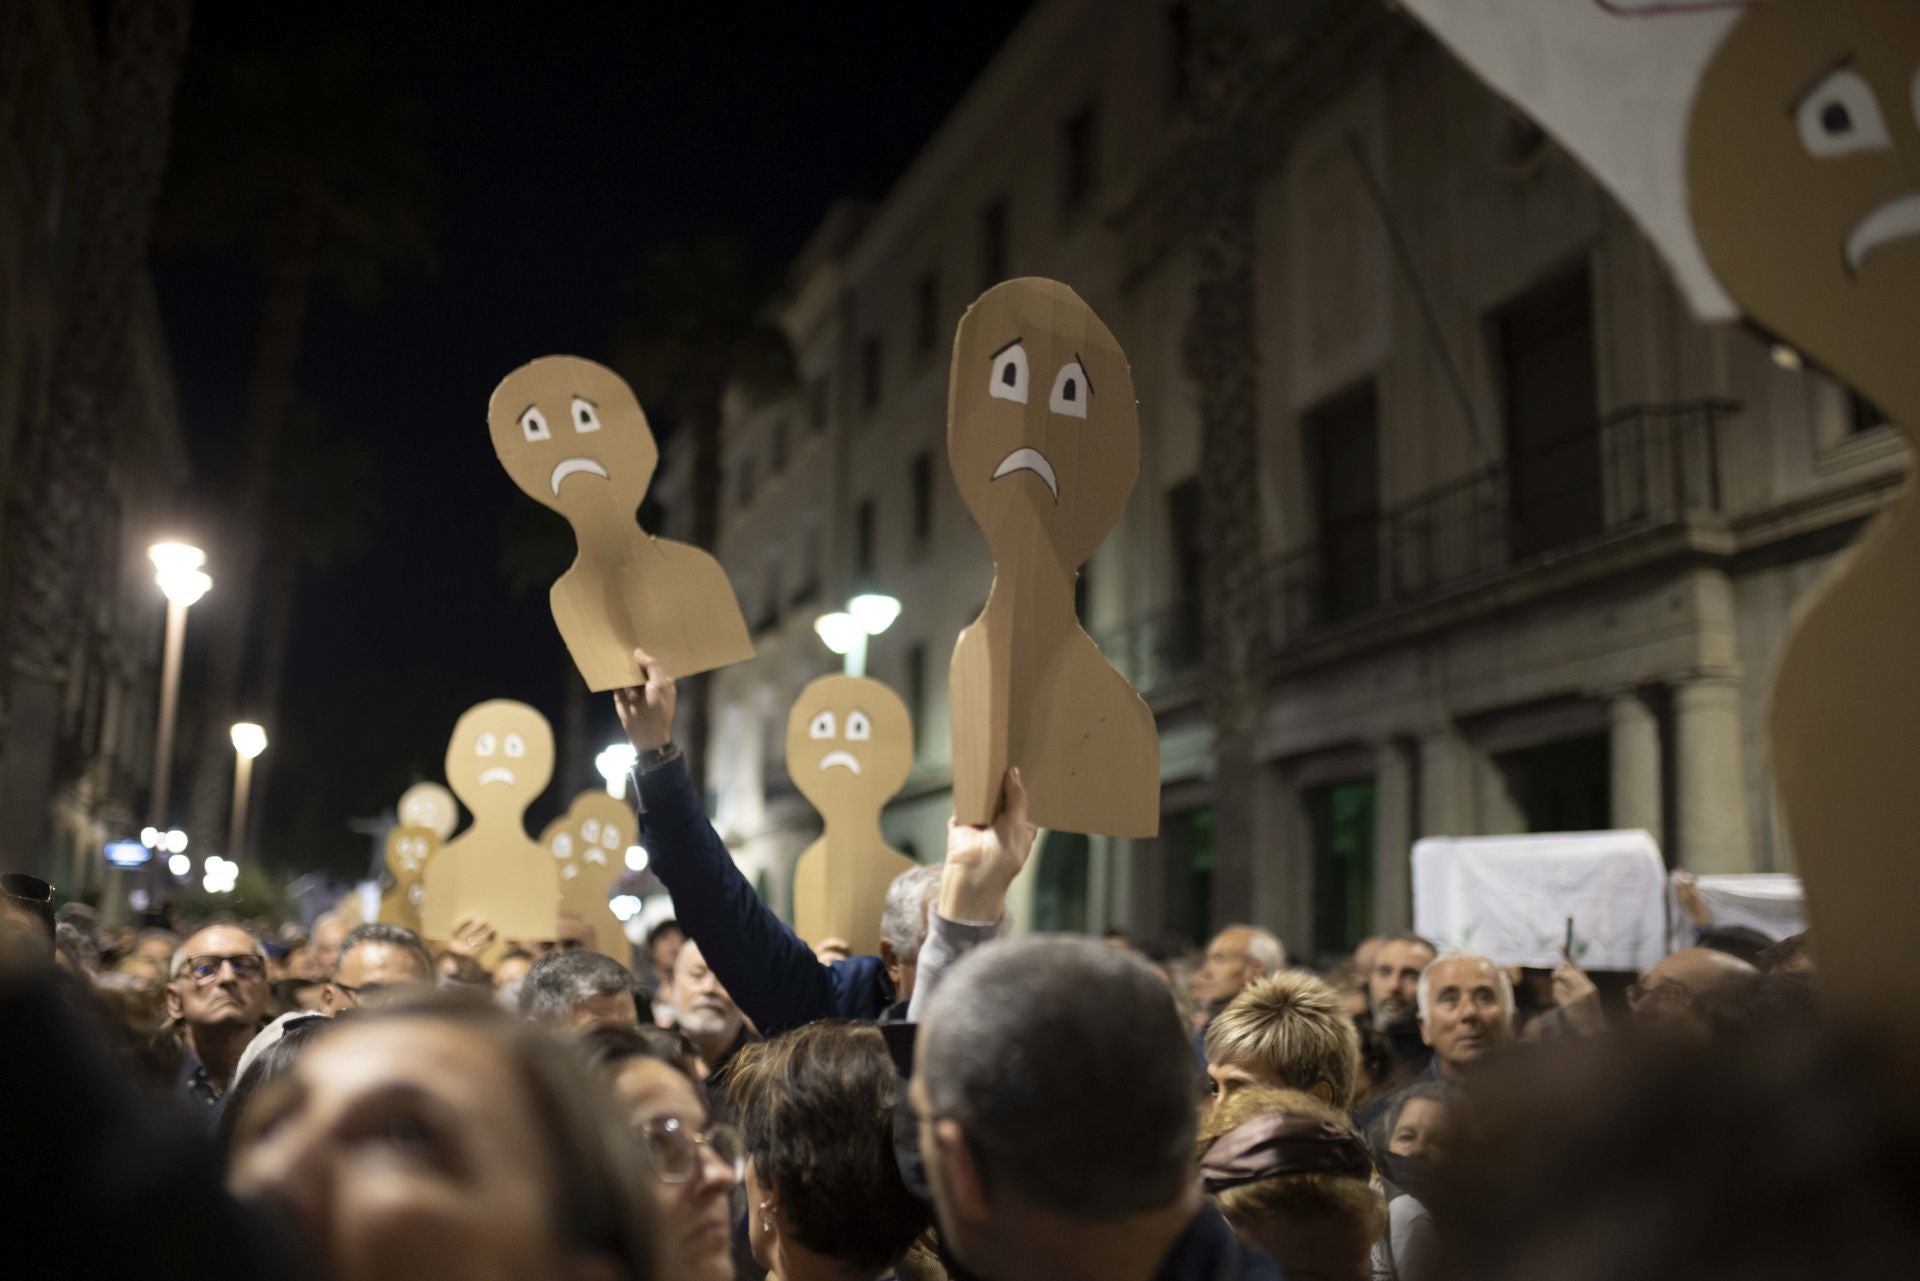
(1640, 470)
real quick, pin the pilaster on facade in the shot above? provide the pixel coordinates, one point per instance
(1635, 751)
(1710, 775)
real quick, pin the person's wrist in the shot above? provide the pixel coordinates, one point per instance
(663, 753)
(973, 902)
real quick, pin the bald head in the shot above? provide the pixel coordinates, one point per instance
(1689, 973)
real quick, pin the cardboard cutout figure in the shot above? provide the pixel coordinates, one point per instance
(499, 758)
(431, 806)
(589, 848)
(849, 748)
(1044, 439)
(573, 438)
(409, 850)
(1772, 151)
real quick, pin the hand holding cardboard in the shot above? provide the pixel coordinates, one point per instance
(1044, 439)
(573, 438)
(499, 758)
(849, 748)
(1771, 152)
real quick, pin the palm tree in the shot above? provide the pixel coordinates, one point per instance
(1222, 359)
(60, 492)
(697, 326)
(310, 161)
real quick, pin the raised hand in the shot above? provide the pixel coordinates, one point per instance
(646, 710)
(982, 862)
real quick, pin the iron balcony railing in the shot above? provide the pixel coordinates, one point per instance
(1637, 469)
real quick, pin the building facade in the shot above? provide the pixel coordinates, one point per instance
(1530, 535)
(77, 773)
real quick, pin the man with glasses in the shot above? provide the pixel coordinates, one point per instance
(218, 994)
(374, 960)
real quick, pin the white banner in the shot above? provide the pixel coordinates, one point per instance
(1772, 902)
(1510, 897)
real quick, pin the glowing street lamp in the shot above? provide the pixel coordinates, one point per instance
(249, 740)
(846, 632)
(614, 762)
(177, 569)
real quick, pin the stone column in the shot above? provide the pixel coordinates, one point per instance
(1446, 785)
(1710, 776)
(1635, 743)
(1393, 807)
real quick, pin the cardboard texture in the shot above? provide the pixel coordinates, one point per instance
(499, 758)
(589, 848)
(573, 438)
(1780, 172)
(1044, 439)
(849, 749)
(431, 806)
(409, 850)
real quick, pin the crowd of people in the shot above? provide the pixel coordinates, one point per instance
(350, 1102)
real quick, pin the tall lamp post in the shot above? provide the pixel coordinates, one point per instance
(614, 762)
(176, 568)
(249, 740)
(846, 632)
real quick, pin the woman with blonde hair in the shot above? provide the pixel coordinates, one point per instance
(1290, 1030)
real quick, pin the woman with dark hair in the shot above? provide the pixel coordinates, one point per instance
(259, 1068)
(441, 1138)
(696, 1164)
(824, 1196)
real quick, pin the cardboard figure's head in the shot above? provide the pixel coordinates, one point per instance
(1804, 181)
(500, 757)
(849, 744)
(431, 806)
(572, 436)
(1042, 430)
(601, 827)
(409, 849)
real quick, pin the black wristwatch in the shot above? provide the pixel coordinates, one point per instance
(656, 757)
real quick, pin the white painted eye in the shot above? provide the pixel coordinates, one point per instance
(486, 744)
(563, 846)
(590, 830)
(1069, 391)
(822, 726)
(1840, 117)
(1009, 380)
(859, 728)
(516, 746)
(568, 872)
(585, 416)
(533, 425)
(610, 837)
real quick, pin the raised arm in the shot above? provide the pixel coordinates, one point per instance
(772, 976)
(982, 863)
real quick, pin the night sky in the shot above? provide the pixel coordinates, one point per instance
(565, 141)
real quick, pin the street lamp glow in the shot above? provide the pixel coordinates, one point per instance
(636, 858)
(624, 906)
(613, 762)
(840, 631)
(179, 864)
(248, 739)
(152, 837)
(176, 558)
(176, 841)
(176, 567)
(874, 611)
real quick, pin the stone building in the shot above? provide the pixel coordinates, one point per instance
(1530, 535)
(75, 774)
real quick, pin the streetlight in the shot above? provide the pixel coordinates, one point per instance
(614, 762)
(846, 632)
(177, 570)
(249, 740)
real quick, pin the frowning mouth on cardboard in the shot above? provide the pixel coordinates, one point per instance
(1898, 219)
(845, 760)
(576, 466)
(498, 774)
(1029, 460)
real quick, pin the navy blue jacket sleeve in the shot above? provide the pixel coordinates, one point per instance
(772, 976)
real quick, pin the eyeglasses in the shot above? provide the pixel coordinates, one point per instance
(205, 969)
(28, 889)
(675, 1150)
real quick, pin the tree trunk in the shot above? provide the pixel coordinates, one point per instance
(1222, 358)
(64, 463)
(235, 563)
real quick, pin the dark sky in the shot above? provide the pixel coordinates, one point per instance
(564, 141)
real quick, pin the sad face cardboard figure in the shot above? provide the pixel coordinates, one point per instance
(589, 848)
(499, 758)
(1044, 439)
(431, 806)
(849, 748)
(573, 438)
(409, 850)
(1772, 151)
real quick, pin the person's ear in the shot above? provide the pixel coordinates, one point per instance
(330, 998)
(1322, 1090)
(175, 1009)
(891, 961)
(1426, 1036)
(965, 1180)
